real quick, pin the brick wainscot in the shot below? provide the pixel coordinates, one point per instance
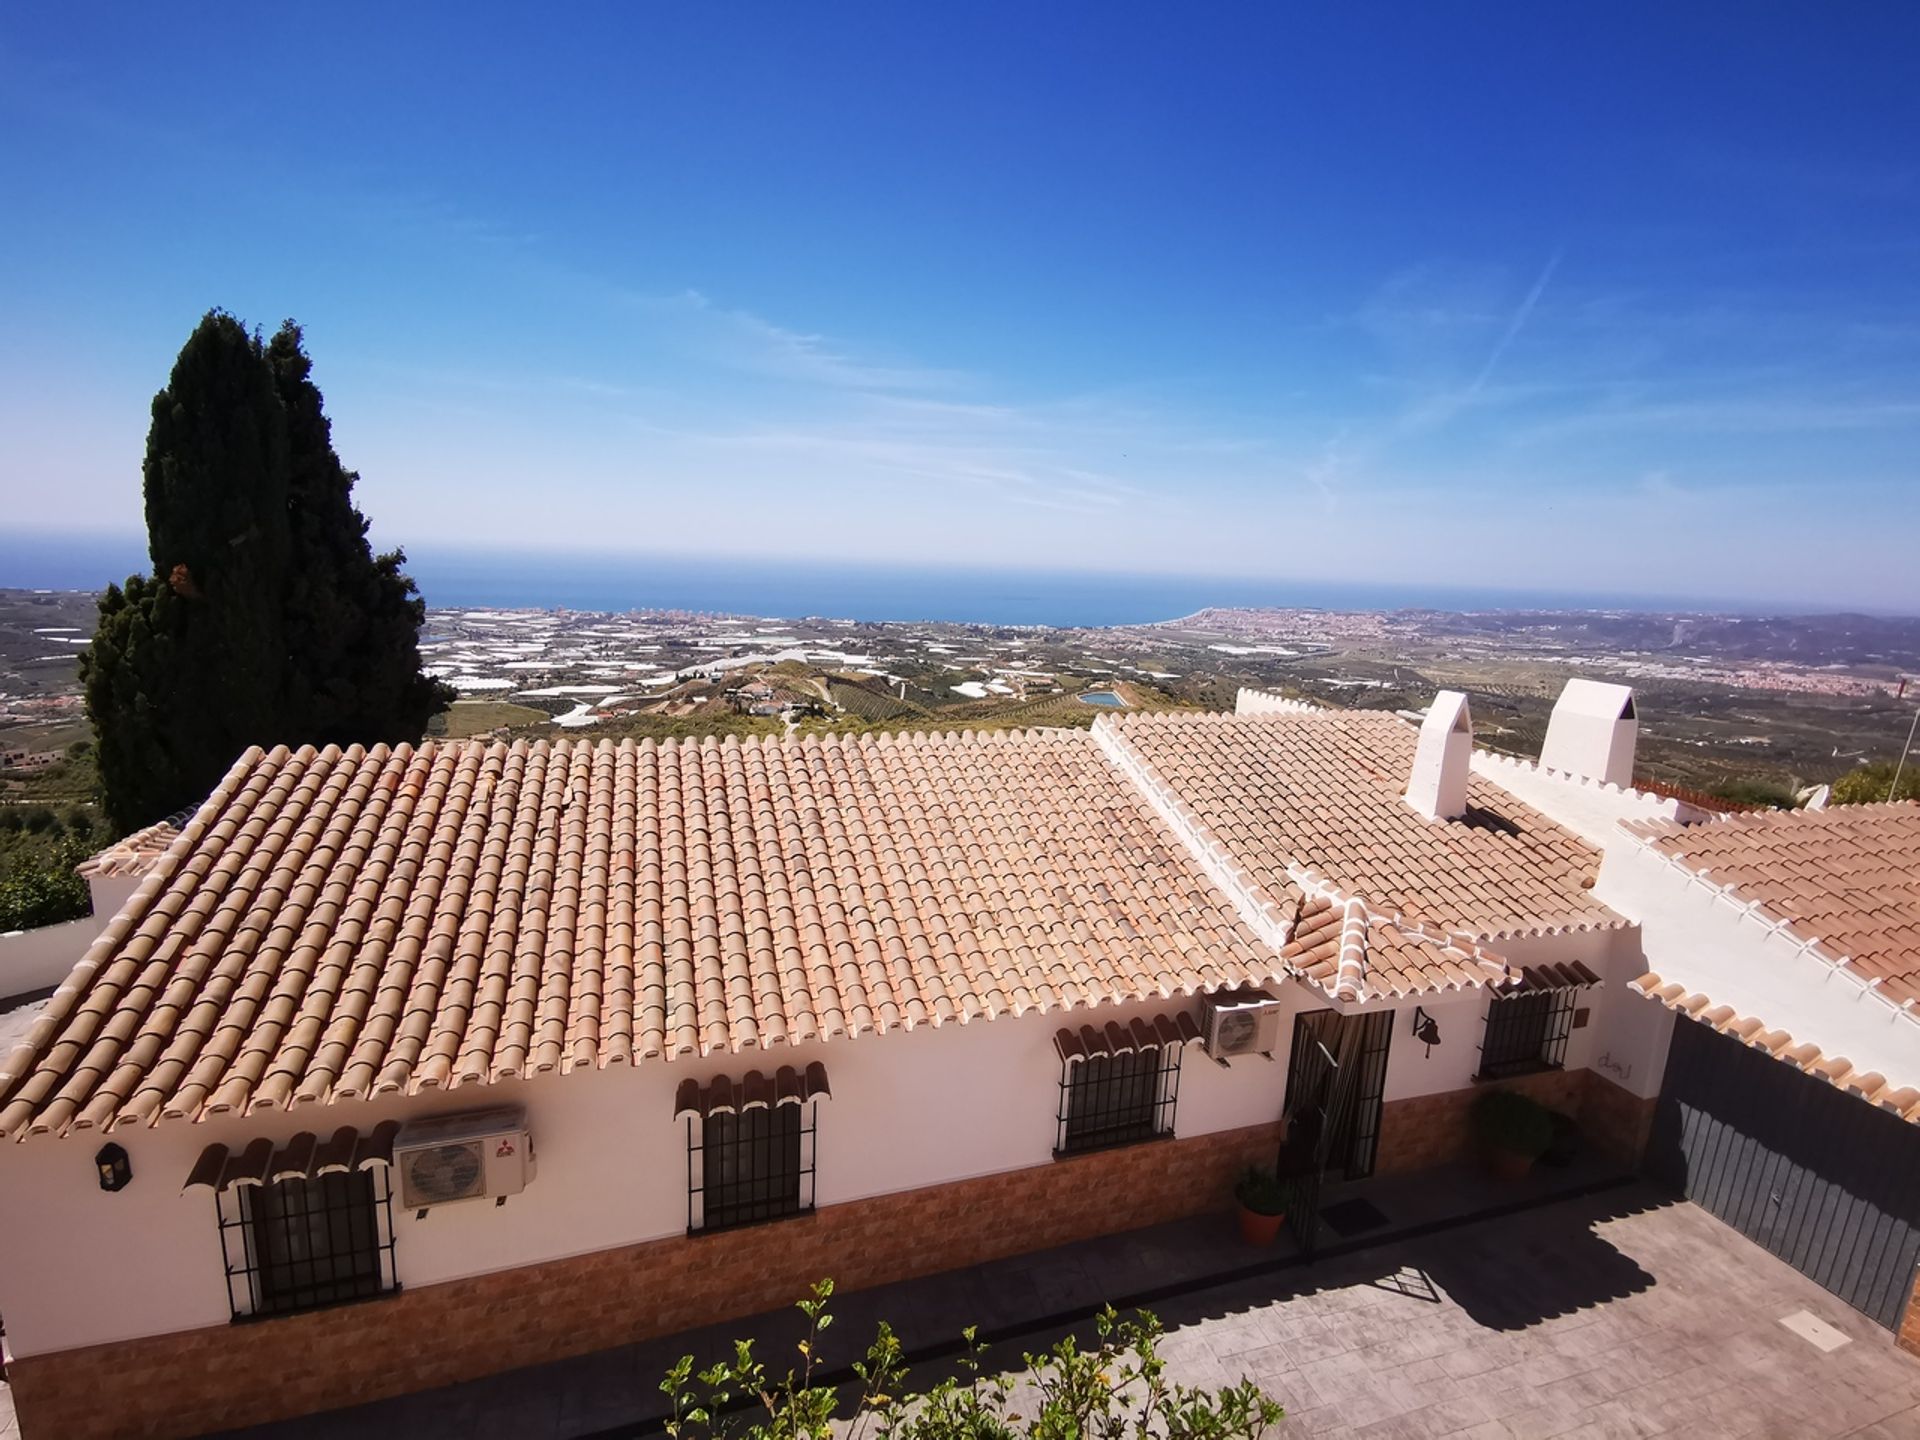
(1427, 1130)
(230, 1375)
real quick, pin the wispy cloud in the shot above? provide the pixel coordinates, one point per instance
(742, 340)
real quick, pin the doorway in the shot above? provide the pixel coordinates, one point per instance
(1336, 1081)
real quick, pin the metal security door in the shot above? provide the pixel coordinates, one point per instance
(1338, 1070)
(1822, 1179)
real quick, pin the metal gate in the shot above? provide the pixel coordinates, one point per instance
(1822, 1179)
(1338, 1071)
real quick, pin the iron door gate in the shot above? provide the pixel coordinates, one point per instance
(1338, 1068)
(1822, 1179)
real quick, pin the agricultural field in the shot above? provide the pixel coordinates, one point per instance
(1745, 707)
(468, 718)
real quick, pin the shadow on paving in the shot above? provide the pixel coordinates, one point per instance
(1505, 1271)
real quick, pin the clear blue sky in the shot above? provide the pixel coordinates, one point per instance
(1598, 297)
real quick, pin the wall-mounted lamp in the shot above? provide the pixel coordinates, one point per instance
(114, 1168)
(1426, 1029)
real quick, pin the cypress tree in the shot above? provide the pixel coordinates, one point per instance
(267, 619)
(184, 668)
(352, 618)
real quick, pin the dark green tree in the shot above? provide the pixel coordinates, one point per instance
(352, 618)
(267, 619)
(185, 667)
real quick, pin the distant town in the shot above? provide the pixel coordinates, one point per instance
(1773, 703)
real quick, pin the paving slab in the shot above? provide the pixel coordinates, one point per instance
(1613, 1313)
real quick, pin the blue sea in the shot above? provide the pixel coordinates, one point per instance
(474, 578)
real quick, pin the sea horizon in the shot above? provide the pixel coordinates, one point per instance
(471, 577)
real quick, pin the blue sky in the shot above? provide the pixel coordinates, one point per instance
(1600, 298)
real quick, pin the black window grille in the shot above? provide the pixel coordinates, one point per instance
(307, 1243)
(1527, 1033)
(1108, 1100)
(748, 1166)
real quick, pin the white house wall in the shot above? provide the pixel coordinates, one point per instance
(908, 1109)
(1698, 938)
(40, 959)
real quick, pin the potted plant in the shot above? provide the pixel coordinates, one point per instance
(1564, 1148)
(1264, 1199)
(1512, 1132)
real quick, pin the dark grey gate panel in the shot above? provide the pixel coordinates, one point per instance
(1820, 1178)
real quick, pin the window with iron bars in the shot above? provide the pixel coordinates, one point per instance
(1526, 1033)
(1108, 1100)
(307, 1243)
(748, 1166)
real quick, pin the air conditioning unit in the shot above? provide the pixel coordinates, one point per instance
(1239, 1022)
(481, 1155)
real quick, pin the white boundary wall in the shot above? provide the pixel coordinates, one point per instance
(40, 959)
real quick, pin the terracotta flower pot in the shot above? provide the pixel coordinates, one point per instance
(1258, 1229)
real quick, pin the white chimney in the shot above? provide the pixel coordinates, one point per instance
(1438, 786)
(1592, 732)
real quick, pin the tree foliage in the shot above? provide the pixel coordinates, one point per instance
(267, 618)
(40, 886)
(1868, 784)
(1116, 1390)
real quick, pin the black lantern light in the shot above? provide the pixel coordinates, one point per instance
(114, 1167)
(1426, 1029)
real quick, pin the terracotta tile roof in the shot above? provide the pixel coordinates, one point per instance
(1351, 955)
(1307, 801)
(1845, 880)
(1751, 1030)
(333, 926)
(138, 853)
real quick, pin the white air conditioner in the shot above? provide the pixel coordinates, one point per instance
(1239, 1022)
(481, 1155)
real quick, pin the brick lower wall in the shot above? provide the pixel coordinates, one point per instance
(1909, 1332)
(231, 1375)
(1427, 1130)
(1616, 1122)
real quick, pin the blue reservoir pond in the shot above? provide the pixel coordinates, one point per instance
(1103, 697)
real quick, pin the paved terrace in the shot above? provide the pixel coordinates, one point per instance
(1609, 1311)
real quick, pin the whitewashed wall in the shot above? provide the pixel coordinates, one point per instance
(909, 1109)
(39, 959)
(1697, 938)
(80, 1266)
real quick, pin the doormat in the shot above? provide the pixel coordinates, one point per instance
(1352, 1217)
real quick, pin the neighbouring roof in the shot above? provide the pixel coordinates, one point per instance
(1903, 1100)
(1846, 880)
(1306, 802)
(138, 853)
(338, 925)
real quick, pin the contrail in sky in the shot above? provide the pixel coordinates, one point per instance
(1520, 317)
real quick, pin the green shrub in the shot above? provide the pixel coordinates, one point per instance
(1509, 1121)
(1113, 1389)
(1868, 784)
(42, 888)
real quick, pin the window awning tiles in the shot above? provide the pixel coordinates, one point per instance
(1085, 1042)
(789, 1085)
(304, 1157)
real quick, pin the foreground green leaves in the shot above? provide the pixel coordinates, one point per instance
(1116, 1390)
